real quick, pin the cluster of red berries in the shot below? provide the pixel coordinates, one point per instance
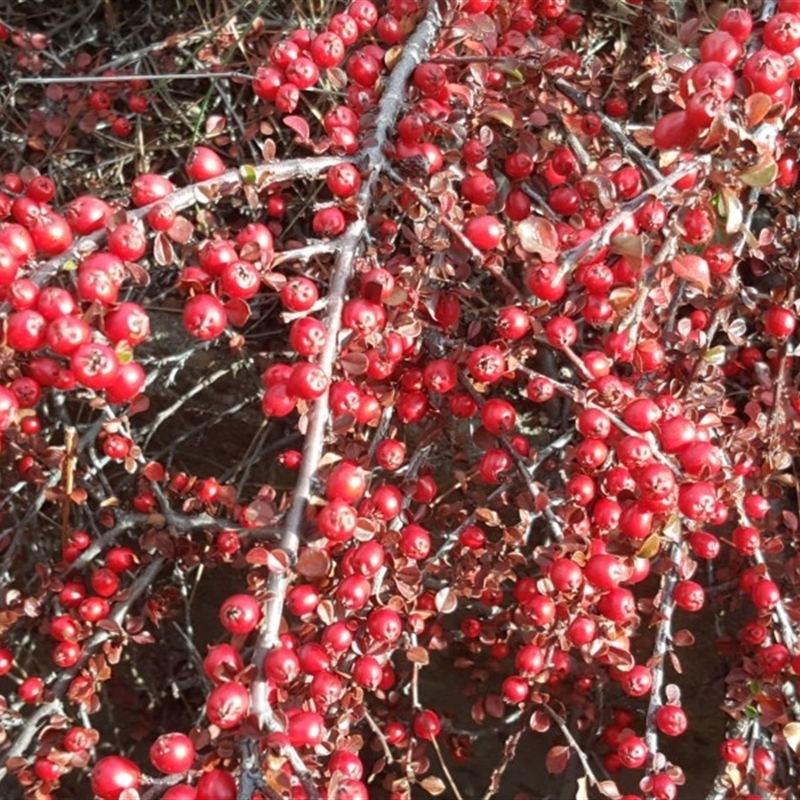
(706, 90)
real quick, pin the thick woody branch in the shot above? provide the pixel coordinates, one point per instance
(374, 162)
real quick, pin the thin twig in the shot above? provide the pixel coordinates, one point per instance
(562, 726)
(665, 608)
(170, 76)
(43, 712)
(602, 235)
(446, 771)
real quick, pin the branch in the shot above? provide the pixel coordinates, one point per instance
(374, 163)
(572, 742)
(665, 608)
(602, 235)
(43, 712)
(183, 198)
(43, 80)
(509, 754)
(631, 150)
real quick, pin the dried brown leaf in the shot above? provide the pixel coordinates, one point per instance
(538, 235)
(418, 655)
(433, 785)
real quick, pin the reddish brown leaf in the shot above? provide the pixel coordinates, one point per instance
(683, 638)
(275, 280)
(238, 311)
(693, 269)
(557, 759)
(298, 125)
(354, 363)
(538, 235)
(258, 556)
(676, 663)
(540, 721)
(154, 471)
(756, 107)
(313, 563)
(277, 561)
(495, 707)
(215, 124)
(163, 252)
(181, 230)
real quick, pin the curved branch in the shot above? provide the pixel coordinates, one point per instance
(375, 162)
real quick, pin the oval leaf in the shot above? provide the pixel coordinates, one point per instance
(760, 174)
(181, 230)
(433, 785)
(500, 112)
(238, 311)
(756, 107)
(538, 235)
(557, 759)
(693, 269)
(313, 563)
(418, 655)
(608, 789)
(298, 125)
(446, 601)
(792, 733)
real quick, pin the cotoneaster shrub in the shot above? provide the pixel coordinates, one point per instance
(502, 313)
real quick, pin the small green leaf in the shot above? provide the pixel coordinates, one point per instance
(248, 173)
(715, 355)
(500, 112)
(760, 174)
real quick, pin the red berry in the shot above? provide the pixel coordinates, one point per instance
(228, 704)
(427, 724)
(485, 232)
(172, 753)
(671, 720)
(112, 775)
(240, 613)
(779, 322)
(632, 752)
